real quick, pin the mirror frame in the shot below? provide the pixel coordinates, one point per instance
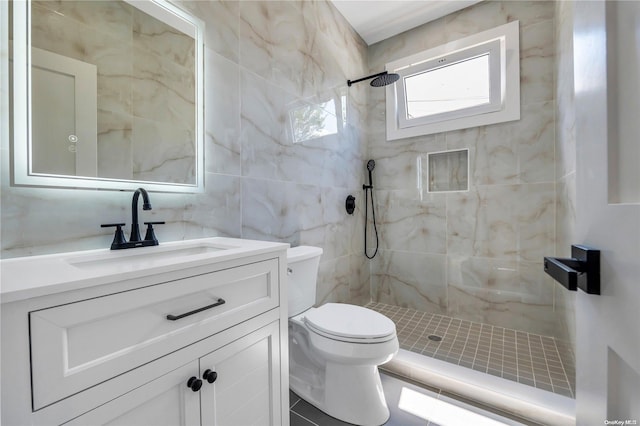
(21, 146)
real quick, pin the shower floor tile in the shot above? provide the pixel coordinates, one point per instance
(530, 359)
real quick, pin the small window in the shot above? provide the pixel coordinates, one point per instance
(466, 83)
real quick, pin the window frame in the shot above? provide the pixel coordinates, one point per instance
(491, 48)
(502, 44)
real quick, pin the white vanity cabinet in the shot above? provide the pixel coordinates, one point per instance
(200, 341)
(245, 390)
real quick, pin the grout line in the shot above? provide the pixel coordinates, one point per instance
(295, 403)
(424, 330)
(562, 359)
(518, 351)
(303, 417)
(490, 346)
(466, 342)
(455, 339)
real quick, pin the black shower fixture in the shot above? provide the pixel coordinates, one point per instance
(379, 80)
(350, 204)
(371, 164)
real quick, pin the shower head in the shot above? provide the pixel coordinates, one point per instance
(384, 80)
(379, 80)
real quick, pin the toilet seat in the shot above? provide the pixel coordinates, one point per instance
(350, 323)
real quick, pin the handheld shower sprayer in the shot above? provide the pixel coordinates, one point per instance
(371, 164)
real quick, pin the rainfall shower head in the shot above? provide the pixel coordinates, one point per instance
(379, 80)
(384, 80)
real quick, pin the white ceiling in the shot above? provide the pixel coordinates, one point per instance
(376, 20)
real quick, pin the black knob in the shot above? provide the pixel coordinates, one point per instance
(194, 383)
(350, 204)
(210, 376)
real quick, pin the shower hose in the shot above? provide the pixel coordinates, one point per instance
(366, 216)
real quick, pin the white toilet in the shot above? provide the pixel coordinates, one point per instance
(335, 349)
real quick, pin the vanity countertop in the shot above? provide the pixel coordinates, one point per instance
(34, 276)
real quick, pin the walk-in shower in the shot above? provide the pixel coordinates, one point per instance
(433, 329)
(465, 217)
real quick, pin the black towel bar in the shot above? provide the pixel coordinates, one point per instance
(581, 271)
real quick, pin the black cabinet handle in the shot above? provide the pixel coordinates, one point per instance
(194, 383)
(195, 311)
(209, 375)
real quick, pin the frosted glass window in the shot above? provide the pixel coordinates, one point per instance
(456, 86)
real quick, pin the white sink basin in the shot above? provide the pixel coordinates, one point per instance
(145, 257)
(140, 260)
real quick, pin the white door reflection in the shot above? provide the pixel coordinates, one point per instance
(64, 126)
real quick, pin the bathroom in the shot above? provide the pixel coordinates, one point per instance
(476, 255)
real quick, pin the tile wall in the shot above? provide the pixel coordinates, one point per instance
(263, 62)
(473, 255)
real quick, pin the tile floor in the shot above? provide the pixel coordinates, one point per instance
(531, 359)
(411, 405)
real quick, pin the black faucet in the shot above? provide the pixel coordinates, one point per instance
(119, 241)
(135, 229)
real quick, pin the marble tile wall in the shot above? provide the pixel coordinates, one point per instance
(263, 61)
(475, 255)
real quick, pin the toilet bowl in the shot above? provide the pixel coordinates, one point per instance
(335, 348)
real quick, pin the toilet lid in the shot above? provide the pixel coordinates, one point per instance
(350, 321)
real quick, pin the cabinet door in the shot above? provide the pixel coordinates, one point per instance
(165, 401)
(247, 388)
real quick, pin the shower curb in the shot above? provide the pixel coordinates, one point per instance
(521, 400)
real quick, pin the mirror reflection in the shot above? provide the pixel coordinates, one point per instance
(113, 93)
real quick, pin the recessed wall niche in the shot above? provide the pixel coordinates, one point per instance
(448, 171)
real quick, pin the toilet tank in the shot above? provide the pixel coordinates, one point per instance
(302, 276)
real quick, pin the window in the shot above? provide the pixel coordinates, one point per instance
(465, 83)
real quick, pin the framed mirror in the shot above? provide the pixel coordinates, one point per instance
(107, 94)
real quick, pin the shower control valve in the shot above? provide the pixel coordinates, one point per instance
(350, 204)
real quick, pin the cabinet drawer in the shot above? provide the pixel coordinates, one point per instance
(78, 345)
